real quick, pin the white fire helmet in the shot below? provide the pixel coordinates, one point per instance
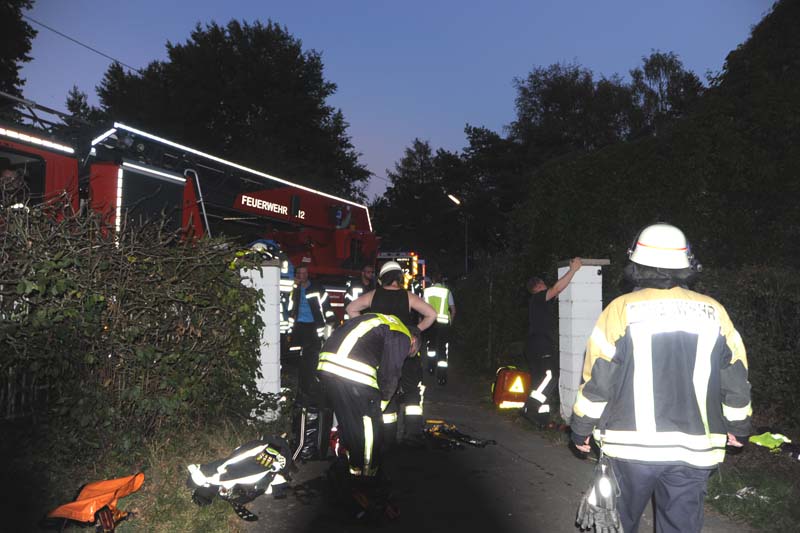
(389, 266)
(661, 246)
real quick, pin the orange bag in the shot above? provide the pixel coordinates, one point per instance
(97, 495)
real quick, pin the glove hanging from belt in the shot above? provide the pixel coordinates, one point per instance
(598, 507)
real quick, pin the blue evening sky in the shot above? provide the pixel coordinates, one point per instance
(403, 69)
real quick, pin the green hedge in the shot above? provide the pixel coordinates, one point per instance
(122, 336)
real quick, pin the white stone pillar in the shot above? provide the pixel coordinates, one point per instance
(579, 306)
(267, 278)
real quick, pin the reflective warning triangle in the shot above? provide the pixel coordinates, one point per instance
(517, 386)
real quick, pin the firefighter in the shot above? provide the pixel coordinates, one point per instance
(390, 298)
(441, 299)
(360, 366)
(665, 386)
(310, 316)
(356, 288)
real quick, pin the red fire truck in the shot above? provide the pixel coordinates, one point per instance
(133, 174)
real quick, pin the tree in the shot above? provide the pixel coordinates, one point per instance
(15, 44)
(561, 108)
(415, 213)
(246, 92)
(663, 91)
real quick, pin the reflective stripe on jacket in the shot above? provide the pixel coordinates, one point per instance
(320, 304)
(665, 374)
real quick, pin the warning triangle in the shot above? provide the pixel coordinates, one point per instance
(517, 386)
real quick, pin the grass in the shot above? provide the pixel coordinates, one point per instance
(163, 504)
(758, 487)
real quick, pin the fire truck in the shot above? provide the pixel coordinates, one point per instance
(127, 173)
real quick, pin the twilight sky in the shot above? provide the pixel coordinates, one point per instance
(403, 69)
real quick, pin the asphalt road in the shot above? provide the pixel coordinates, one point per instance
(523, 483)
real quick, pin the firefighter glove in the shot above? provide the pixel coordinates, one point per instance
(598, 507)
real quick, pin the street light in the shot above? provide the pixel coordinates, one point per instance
(466, 230)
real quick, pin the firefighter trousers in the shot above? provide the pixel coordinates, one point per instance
(438, 337)
(406, 404)
(679, 493)
(358, 412)
(305, 335)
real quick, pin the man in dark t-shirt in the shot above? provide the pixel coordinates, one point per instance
(540, 348)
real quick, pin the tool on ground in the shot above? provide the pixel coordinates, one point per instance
(598, 507)
(448, 436)
(97, 503)
(258, 467)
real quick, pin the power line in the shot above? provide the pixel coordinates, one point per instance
(81, 44)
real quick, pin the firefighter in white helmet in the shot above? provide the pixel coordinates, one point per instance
(389, 298)
(665, 387)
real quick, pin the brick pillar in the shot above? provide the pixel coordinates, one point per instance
(579, 306)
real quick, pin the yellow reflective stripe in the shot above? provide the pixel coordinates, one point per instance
(606, 348)
(585, 407)
(347, 373)
(389, 418)
(384, 404)
(369, 442)
(702, 459)
(696, 450)
(664, 439)
(736, 414)
(413, 410)
(352, 364)
(352, 338)
(511, 405)
(394, 324)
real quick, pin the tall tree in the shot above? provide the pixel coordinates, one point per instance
(15, 44)
(248, 92)
(561, 108)
(663, 90)
(415, 211)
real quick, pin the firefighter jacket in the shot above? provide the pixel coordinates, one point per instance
(321, 309)
(440, 298)
(368, 349)
(665, 378)
(355, 288)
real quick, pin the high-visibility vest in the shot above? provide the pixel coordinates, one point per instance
(439, 298)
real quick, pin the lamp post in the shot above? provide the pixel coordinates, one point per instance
(466, 233)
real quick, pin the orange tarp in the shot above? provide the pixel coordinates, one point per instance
(94, 496)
